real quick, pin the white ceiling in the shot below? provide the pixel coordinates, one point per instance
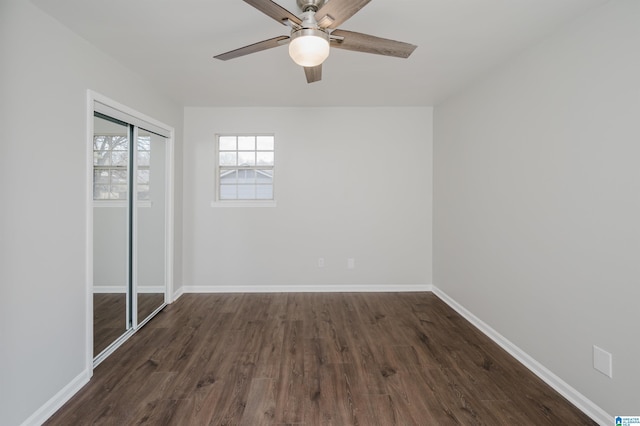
(172, 42)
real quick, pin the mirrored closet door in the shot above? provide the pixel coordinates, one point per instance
(111, 290)
(130, 181)
(150, 220)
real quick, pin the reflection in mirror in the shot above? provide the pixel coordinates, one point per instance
(150, 230)
(110, 235)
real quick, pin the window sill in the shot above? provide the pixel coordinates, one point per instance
(244, 203)
(120, 203)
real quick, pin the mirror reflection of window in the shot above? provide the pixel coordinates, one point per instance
(110, 166)
(151, 183)
(110, 236)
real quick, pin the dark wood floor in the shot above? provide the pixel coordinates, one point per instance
(109, 319)
(110, 315)
(313, 359)
(147, 303)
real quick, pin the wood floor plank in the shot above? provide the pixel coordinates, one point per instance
(269, 354)
(336, 400)
(109, 319)
(261, 403)
(380, 410)
(153, 406)
(313, 359)
(409, 400)
(290, 383)
(193, 373)
(233, 401)
(206, 402)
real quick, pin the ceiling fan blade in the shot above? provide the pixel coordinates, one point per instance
(372, 44)
(313, 74)
(335, 12)
(253, 48)
(274, 10)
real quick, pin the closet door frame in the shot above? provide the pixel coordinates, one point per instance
(118, 110)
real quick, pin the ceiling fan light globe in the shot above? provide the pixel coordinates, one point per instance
(309, 48)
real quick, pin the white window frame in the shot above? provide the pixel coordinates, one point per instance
(218, 202)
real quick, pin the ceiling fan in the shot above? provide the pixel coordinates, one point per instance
(315, 30)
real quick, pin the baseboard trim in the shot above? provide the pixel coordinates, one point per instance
(151, 289)
(563, 388)
(347, 288)
(102, 289)
(176, 295)
(58, 400)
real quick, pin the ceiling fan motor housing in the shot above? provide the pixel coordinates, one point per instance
(313, 5)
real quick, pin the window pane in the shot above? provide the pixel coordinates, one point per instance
(264, 176)
(118, 143)
(228, 159)
(228, 177)
(246, 192)
(119, 192)
(144, 143)
(246, 143)
(246, 176)
(265, 158)
(101, 177)
(264, 192)
(119, 158)
(227, 143)
(98, 142)
(143, 177)
(228, 192)
(144, 158)
(265, 143)
(118, 177)
(247, 158)
(101, 158)
(101, 192)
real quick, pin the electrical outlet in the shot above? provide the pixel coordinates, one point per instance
(602, 361)
(351, 263)
(321, 262)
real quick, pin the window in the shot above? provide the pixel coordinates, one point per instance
(245, 167)
(111, 167)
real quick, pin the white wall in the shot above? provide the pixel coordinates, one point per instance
(350, 182)
(45, 73)
(537, 202)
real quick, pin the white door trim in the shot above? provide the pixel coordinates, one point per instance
(92, 98)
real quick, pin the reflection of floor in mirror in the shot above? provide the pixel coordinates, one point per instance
(109, 319)
(147, 303)
(109, 315)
